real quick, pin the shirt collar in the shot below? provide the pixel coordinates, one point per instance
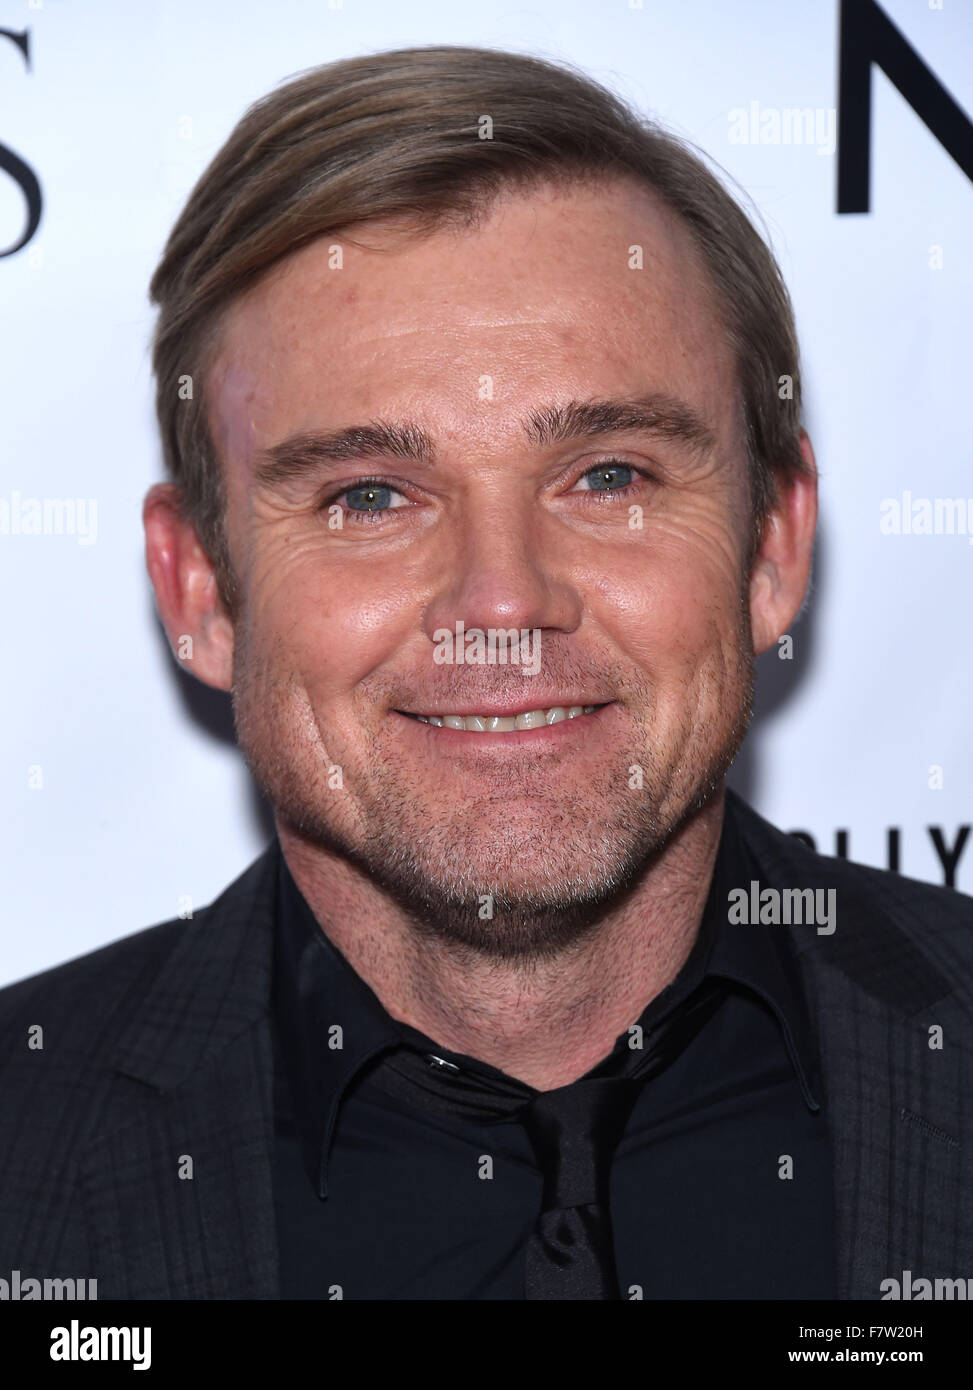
(760, 957)
(328, 1023)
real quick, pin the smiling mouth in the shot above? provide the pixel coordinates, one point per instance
(507, 723)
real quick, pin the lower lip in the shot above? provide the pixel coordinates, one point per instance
(545, 735)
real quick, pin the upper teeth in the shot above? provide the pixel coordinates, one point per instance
(495, 723)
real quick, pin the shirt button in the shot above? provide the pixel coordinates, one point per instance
(440, 1062)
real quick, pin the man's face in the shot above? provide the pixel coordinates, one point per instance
(634, 578)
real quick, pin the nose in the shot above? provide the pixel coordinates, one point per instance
(506, 569)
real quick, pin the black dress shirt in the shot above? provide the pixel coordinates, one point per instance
(721, 1186)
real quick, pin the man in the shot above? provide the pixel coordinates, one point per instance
(481, 403)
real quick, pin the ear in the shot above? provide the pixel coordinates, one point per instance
(199, 629)
(782, 568)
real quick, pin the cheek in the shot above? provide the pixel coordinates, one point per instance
(329, 630)
(674, 600)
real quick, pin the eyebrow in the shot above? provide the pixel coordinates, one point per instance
(656, 414)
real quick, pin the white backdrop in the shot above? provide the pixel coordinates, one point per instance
(123, 795)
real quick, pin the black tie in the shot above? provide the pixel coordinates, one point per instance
(574, 1131)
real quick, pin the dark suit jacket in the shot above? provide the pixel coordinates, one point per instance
(158, 1046)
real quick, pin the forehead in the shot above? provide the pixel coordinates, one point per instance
(557, 293)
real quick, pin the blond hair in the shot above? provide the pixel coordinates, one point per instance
(397, 135)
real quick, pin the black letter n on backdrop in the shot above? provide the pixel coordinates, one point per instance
(867, 36)
(18, 170)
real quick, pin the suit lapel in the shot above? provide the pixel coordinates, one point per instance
(892, 1102)
(178, 1185)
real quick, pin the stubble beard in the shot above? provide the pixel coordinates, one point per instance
(464, 873)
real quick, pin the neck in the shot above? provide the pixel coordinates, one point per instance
(547, 1023)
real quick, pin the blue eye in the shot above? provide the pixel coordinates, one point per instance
(367, 502)
(370, 497)
(608, 477)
